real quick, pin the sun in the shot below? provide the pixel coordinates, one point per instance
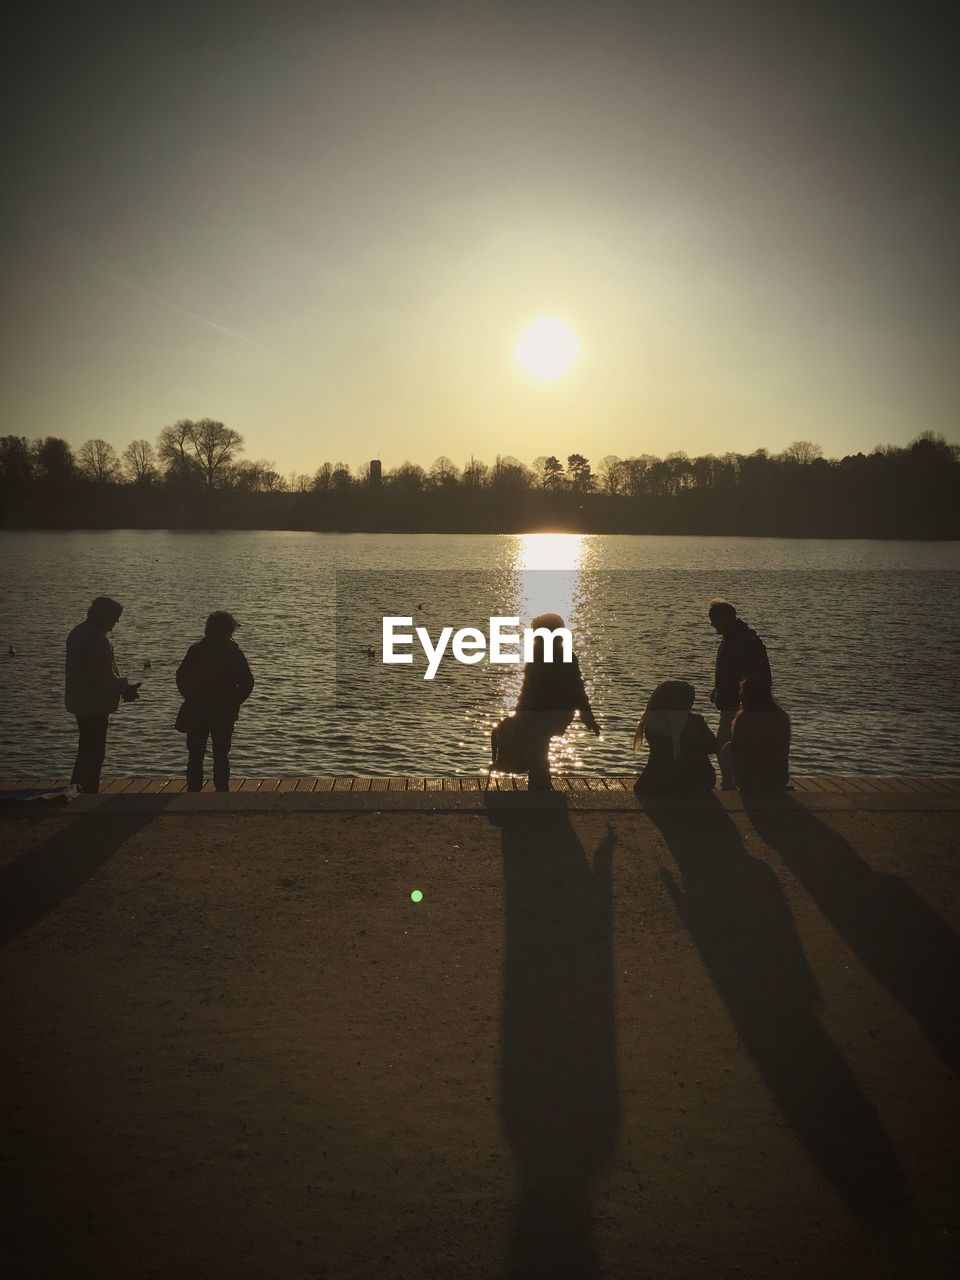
(547, 348)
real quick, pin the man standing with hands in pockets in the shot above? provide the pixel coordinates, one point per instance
(94, 688)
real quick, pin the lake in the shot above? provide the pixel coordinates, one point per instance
(863, 637)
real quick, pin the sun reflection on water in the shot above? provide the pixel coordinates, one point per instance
(548, 567)
(550, 550)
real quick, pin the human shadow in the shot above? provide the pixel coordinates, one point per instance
(559, 1102)
(739, 919)
(896, 935)
(41, 879)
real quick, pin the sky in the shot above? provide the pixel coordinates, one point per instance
(326, 225)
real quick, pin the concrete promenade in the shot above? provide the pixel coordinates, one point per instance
(409, 1029)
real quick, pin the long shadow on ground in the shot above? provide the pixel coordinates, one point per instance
(558, 1073)
(38, 881)
(739, 919)
(896, 935)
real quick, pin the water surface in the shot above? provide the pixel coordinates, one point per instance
(864, 641)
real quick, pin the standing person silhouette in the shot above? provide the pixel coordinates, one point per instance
(551, 694)
(741, 655)
(215, 680)
(94, 688)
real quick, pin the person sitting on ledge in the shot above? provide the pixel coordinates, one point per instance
(550, 696)
(757, 754)
(214, 679)
(680, 742)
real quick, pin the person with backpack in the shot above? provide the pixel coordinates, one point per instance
(550, 696)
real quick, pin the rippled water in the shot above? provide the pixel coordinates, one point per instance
(864, 641)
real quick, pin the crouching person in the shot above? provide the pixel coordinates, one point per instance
(551, 695)
(214, 679)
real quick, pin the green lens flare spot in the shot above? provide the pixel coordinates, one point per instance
(416, 896)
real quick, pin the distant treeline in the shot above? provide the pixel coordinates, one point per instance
(195, 477)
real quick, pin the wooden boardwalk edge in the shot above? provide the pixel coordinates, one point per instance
(478, 793)
(815, 784)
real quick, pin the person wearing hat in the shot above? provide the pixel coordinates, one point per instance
(94, 688)
(215, 680)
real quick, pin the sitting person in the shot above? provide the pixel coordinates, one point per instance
(680, 743)
(550, 696)
(214, 679)
(759, 745)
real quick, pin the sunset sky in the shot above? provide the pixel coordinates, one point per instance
(327, 225)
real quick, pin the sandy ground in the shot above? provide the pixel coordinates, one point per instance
(657, 1045)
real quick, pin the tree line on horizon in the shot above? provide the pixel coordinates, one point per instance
(195, 476)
